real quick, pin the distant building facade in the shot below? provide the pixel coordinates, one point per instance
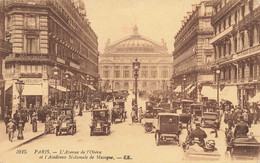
(44, 34)
(193, 52)
(236, 45)
(116, 64)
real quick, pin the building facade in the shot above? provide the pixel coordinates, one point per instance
(192, 51)
(45, 34)
(236, 45)
(5, 49)
(116, 64)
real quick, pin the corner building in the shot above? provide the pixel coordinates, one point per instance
(236, 47)
(45, 33)
(193, 52)
(116, 64)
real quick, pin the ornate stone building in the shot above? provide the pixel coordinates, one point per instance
(192, 51)
(116, 69)
(45, 33)
(237, 47)
(5, 49)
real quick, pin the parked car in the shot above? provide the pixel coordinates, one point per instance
(66, 123)
(168, 128)
(100, 122)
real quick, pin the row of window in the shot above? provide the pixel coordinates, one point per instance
(225, 48)
(233, 18)
(144, 74)
(240, 72)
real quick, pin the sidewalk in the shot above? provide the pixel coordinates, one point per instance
(27, 133)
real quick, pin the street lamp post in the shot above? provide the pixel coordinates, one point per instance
(136, 66)
(184, 80)
(217, 77)
(67, 77)
(55, 70)
(20, 86)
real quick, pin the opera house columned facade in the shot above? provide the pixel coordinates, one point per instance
(115, 64)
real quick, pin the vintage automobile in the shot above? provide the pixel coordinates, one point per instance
(242, 148)
(210, 115)
(100, 122)
(185, 105)
(197, 111)
(150, 118)
(168, 128)
(119, 110)
(66, 123)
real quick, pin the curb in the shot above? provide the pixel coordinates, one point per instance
(23, 143)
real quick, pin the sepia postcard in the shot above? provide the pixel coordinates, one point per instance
(142, 81)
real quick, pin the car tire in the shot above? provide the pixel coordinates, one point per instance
(157, 139)
(148, 128)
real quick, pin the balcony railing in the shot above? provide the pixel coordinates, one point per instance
(224, 10)
(31, 75)
(5, 46)
(28, 2)
(249, 18)
(28, 57)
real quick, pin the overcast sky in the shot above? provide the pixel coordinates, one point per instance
(155, 19)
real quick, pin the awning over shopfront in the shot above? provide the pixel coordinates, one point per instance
(60, 88)
(210, 92)
(90, 87)
(7, 86)
(188, 87)
(255, 99)
(191, 89)
(229, 93)
(178, 89)
(32, 90)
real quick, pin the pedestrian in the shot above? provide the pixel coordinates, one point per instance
(245, 116)
(11, 129)
(34, 124)
(133, 116)
(7, 120)
(139, 114)
(20, 130)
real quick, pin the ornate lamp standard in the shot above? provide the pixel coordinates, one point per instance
(184, 82)
(87, 79)
(171, 88)
(20, 86)
(55, 71)
(217, 79)
(136, 66)
(67, 78)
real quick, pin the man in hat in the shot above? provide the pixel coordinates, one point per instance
(11, 128)
(198, 133)
(241, 128)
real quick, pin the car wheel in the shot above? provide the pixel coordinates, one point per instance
(148, 128)
(157, 139)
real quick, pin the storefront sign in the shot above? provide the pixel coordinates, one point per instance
(74, 65)
(30, 81)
